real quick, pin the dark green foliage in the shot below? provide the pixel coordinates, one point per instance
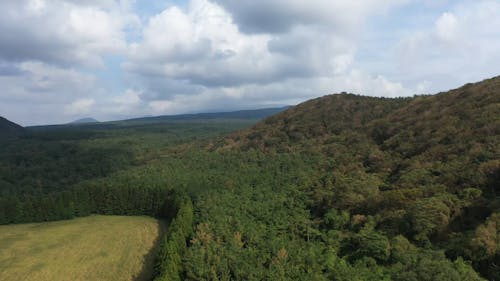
(426, 167)
(342, 187)
(86, 200)
(174, 245)
(9, 129)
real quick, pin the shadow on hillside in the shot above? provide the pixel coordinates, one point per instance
(147, 271)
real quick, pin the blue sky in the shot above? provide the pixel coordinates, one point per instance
(110, 59)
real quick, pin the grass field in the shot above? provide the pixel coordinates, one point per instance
(91, 248)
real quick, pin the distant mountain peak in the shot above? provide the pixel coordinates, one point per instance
(87, 120)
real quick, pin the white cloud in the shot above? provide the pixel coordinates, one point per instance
(280, 16)
(203, 47)
(460, 46)
(447, 28)
(39, 93)
(38, 82)
(62, 32)
(279, 93)
(79, 107)
(163, 106)
(199, 58)
(127, 103)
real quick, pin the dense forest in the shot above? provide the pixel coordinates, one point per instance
(343, 187)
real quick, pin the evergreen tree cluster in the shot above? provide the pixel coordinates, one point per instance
(84, 201)
(173, 247)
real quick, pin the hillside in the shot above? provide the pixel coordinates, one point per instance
(341, 188)
(9, 129)
(382, 120)
(426, 167)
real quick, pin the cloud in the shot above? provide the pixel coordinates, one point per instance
(458, 47)
(35, 92)
(79, 107)
(201, 46)
(38, 82)
(189, 51)
(447, 28)
(62, 32)
(126, 104)
(279, 93)
(280, 16)
(202, 58)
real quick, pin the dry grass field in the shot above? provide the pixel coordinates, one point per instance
(107, 248)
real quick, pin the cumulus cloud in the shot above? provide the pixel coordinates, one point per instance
(79, 107)
(201, 48)
(458, 47)
(37, 92)
(279, 16)
(278, 93)
(447, 28)
(61, 32)
(38, 82)
(204, 57)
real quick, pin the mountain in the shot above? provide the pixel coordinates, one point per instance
(246, 116)
(9, 129)
(426, 167)
(428, 119)
(85, 121)
(254, 114)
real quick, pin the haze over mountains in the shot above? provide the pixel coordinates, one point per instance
(252, 114)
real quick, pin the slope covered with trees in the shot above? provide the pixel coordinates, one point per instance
(423, 169)
(343, 187)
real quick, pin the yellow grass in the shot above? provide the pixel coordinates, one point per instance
(91, 248)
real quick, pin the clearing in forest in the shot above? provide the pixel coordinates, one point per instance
(89, 248)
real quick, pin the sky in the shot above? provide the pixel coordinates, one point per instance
(61, 60)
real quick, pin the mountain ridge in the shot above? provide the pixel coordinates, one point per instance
(87, 120)
(426, 167)
(9, 128)
(335, 113)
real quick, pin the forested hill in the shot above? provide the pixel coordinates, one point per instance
(340, 188)
(426, 167)
(471, 111)
(9, 129)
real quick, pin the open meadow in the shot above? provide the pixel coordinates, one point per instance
(89, 248)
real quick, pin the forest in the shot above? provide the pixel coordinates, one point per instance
(343, 187)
